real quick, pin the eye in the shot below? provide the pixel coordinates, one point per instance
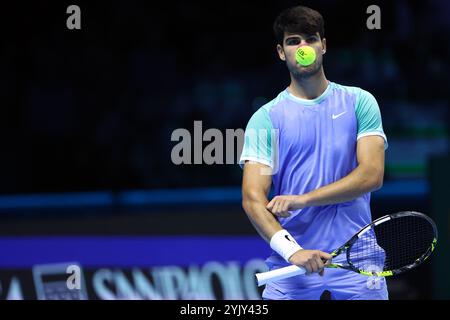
(293, 42)
(311, 39)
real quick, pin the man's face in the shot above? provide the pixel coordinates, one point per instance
(291, 43)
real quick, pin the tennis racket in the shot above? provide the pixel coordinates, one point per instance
(388, 246)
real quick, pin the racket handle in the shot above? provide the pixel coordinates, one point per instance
(277, 274)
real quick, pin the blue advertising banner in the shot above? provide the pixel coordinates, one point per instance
(124, 267)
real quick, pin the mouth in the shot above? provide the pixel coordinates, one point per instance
(299, 66)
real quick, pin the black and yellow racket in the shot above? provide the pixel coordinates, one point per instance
(388, 246)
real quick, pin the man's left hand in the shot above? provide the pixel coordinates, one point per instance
(280, 205)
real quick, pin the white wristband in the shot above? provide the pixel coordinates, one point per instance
(284, 244)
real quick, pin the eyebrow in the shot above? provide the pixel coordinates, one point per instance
(299, 37)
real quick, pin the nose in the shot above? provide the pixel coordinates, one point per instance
(303, 43)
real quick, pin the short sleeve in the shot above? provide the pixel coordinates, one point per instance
(369, 117)
(259, 139)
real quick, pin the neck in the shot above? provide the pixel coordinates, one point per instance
(309, 88)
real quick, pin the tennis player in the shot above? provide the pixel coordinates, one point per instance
(323, 146)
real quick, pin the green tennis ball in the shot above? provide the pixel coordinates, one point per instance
(305, 56)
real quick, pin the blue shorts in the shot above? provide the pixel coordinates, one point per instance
(343, 285)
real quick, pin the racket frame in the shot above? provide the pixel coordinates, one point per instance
(347, 246)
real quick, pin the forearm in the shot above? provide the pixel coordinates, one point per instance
(359, 182)
(263, 221)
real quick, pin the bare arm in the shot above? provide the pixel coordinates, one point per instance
(255, 189)
(366, 177)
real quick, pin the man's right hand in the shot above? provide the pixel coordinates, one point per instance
(311, 260)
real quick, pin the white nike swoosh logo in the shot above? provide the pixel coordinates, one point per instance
(338, 115)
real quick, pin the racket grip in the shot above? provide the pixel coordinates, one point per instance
(277, 274)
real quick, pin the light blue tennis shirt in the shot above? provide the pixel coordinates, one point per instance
(310, 144)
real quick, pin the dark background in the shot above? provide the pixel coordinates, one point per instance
(93, 109)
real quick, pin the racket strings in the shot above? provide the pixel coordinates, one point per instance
(393, 244)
